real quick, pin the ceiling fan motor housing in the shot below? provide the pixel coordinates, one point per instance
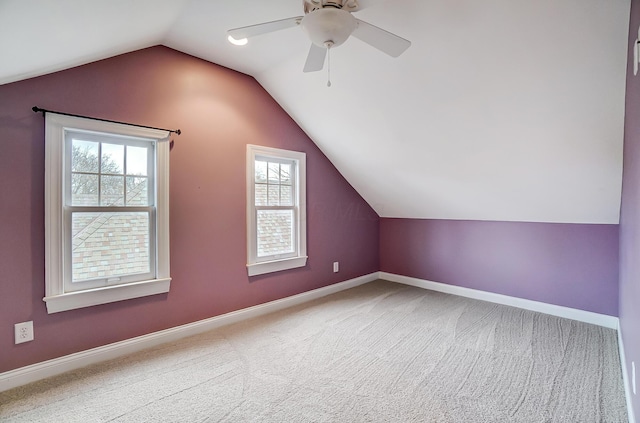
(329, 25)
(348, 5)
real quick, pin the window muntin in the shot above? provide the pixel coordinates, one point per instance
(275, 209)
(108, 170)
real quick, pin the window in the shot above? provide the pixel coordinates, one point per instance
(106, 212)
(276, 212)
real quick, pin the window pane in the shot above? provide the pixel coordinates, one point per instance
(84, 156)
(285, 174)
(112, 158)
(108, 245)
(261, 171)
(275, 232)
(274, 173)
(286, 195)
(274, 195)
(84, 189)
(137, 160)
(261, 195)
(111, 190)
(137, 191)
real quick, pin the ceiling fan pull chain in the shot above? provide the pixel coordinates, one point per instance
(329, 44)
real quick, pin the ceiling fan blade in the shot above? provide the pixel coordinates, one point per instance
(315, 58)
(383, 40)
(263, 28)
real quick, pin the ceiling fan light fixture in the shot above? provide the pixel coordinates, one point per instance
(329, 24)
(240, 42)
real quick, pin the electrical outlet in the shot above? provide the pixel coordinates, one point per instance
(336, 267)
(23, 332)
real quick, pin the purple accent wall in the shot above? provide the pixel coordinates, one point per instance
(219, 112)
(571, 265)
(630, 213)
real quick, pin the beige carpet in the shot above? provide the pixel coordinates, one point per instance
(382, 352)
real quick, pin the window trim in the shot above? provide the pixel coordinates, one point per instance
(56, 298)
(255, 266)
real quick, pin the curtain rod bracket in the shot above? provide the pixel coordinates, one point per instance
(37, 109)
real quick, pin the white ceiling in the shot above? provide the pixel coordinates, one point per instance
(500, 110)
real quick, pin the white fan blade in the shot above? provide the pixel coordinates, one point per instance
(263, 28)
(315, 59)
(383, 40)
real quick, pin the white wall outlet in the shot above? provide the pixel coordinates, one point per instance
(336, 267)
(633, 376)
(23, 332)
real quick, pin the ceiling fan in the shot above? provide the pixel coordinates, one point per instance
(329, 23)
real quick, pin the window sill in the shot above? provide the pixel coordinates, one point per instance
(276, 265)
(109, 294)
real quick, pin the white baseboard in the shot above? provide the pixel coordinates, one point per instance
(555, 310)
(38, 371)
(625, 378)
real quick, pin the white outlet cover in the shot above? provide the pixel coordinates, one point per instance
(336, 266)
(23, 332)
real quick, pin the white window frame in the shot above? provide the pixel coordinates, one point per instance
(298, 258)
(57, 220)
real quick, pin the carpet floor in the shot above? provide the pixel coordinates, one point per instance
(381, 352)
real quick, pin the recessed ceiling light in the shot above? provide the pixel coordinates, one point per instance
(235, 42)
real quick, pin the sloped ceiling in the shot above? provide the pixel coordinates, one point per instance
(505, 110)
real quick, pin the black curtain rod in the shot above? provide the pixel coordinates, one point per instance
(37, 109)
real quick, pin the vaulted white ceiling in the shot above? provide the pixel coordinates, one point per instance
(500, 110)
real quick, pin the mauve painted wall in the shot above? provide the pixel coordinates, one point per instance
(571, 265)
(219, 112)
(630, 214)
